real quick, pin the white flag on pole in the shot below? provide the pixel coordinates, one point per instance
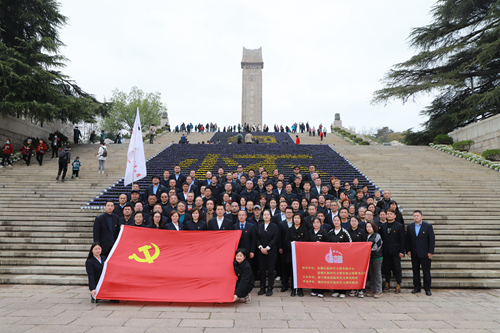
(136, 161)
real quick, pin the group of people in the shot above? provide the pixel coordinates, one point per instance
(273, 211)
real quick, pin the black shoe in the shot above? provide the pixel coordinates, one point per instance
(294, 292)
(57, 178)
(269, 292)
(262, 291)
(283, 289)
(93, 300)
(415, 291)
(428, 293)
(300, 293)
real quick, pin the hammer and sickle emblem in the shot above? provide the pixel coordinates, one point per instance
(147, 257)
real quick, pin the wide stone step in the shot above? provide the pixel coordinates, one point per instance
(64, 262)
(45, 254)
(46, 229)
(41, 224)
(44, 270)
(74, 280)
(47, 239)
(85, 246)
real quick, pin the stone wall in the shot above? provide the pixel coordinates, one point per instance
(485, 134)
(18, 130)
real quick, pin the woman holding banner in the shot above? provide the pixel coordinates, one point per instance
(243, 271)
(297, 233)
(94, 265)
(267, 242)
(338, 235)
(317, 234)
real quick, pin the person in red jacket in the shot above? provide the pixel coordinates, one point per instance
(41, 149)
(297, 140)
(8, 150)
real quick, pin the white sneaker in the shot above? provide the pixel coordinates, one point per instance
(352, 293)
(314, 294)
(320, 295)
(361, 294)
(248, 299)
(11, 165)
(335, 295)
(278, 278)
(342, 296)
(1, 166)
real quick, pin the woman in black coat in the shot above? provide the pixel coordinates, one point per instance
(268, 236)
(297, 233)
(338, 235)
(318, 234)
(243, 271)
(94, 265)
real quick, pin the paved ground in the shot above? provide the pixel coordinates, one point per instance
(28, 308)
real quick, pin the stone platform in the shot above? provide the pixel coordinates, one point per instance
(27, 308)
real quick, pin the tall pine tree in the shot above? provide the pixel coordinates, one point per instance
(459, 61)
(31, 86)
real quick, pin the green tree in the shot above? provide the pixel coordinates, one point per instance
(459, 62)
(30, 84)
(124, 108)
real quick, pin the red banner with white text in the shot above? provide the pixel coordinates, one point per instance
(170, 266)
(323, 265)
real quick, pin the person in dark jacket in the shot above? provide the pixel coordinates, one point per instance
(220, 222)
(41, 149)
(27, 150)
(195, 223)
(106, 228)
(248, 239)
(399, 217)
(139, 221)
(297, 233)
(357, 235)
(174, 224)
(243, 271)
(376, 257)
(64, 162)
(338, 235)
(94, 266)
(267, 244)
(420, 242)
(317, 234)
(393, 236)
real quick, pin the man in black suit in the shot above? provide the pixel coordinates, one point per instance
(393, 237)
(106, 228)
(284, 247)
(248, 239)
(420, 242)
(166, 178)
(308, 177)
(207, 181)
(136, 187)
(220, 222)
(249, 194)
(122, 201)
(182, 196)
(289, 195)
(155, 188)
(178, 177)
(296, 172)
(228, 188)
(192, 187)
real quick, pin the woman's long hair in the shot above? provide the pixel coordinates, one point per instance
(91, 254)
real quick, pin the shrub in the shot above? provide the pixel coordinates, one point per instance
(443, 139)
(358, 140)
(126, 136)
(64, 138)
(491, 154)
(159, 130)
(336, 129)
(352, 136)
(463, 145)
(364, 143)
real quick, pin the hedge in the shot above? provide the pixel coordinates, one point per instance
(491, 154)
(463, 145)
(443, 139)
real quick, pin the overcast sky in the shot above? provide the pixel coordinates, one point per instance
(320, 57)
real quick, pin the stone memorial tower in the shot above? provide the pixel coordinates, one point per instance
(251, 107)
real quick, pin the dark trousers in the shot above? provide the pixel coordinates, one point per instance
(151, 138)
(27, 158)
(39, 158)
(392, 264)
(416, 262)
(267, 263)
(63, 167)
(245, 292)
(55, 151)
(75, 173)
(76, 139)
(286, 273)
(6, 158)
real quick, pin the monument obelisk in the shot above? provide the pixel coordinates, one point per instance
(251, 107)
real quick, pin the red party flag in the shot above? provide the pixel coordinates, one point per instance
(324, 265)
(170, 266)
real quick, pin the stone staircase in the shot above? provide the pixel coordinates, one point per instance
(45, 236)
(460, 200)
